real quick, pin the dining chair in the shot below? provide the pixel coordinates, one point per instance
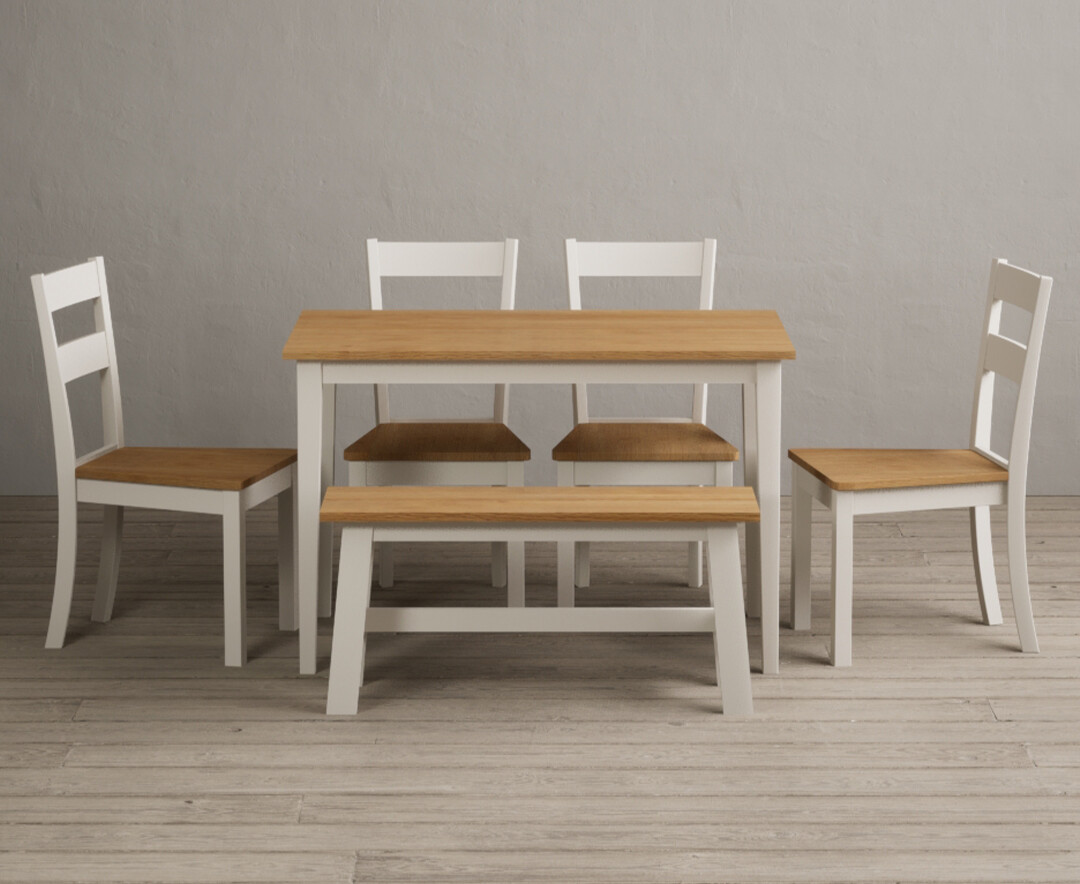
(484, 451)
(220, 481)
(858, 481)
(627, 451)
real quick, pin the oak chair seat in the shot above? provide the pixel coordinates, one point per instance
(643, 441)
(373, 514)
(865, 469)
(222, 469)
(449, 442)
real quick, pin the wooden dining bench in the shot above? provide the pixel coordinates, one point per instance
(410, 513)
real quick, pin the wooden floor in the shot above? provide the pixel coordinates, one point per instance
(134, 755)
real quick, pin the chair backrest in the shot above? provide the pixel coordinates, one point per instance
(442, 259)
(94, 353)
(640, 259)
(1016, 360)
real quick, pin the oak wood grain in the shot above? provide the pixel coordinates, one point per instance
(446, 441)
(628, 441)
(863, 469)
(225, 469)
(539, 336)
(535, 504)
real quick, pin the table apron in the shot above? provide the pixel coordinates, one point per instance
(540, 372)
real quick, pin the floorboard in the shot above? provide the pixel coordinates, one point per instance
(942, 755)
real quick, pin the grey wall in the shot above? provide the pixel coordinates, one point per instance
(859, 163)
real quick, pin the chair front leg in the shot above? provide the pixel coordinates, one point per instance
(695, 573)
(802, 506)
(982, 549)
(287, 583)
(1018, 570)
(112, 527)
(843, 529)
(66, 544)
(235, 555)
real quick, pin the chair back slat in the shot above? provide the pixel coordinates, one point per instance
(93, 353)
(641, 260)
(1016, 286)
(1016, 360)
(70, 286)
(83, 356)
(1005, 357)
(441, 260)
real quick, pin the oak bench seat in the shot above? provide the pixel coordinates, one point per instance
(408, 513)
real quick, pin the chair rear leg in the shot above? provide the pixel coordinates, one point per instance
(802, 506)
(112, 528)
(235, 593)
(1018, 573)
(843, 519)
(564, 571)
(695, 571)
(983, 551)
(498, 564)
(64, 586)
(582, 553)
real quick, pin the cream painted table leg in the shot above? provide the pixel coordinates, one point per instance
(768, 494)
(309, 444)
(326, 532)
(750, 477)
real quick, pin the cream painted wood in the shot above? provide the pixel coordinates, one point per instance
(998, 355)
(441, 260)
(96, 354)
(538, 347)
(724, 618)
(623, 260)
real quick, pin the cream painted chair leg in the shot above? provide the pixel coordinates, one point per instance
(1018, 572)
(843, 552)
(802, 505)
(350, 622)
(983, 550)
(564, 572)
(64, 587)
(729, 629)
(235, 549)
(112, 528)
(286, 556)
(515, 551)
(695, 571)
(582, 553)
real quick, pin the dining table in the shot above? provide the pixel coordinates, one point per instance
(334, 347)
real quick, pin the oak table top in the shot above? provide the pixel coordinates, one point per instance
(538, 336)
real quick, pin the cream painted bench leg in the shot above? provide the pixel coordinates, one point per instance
(350, 621)
(729, 636)
(843, 559)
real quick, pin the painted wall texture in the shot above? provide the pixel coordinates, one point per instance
(859, 163)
